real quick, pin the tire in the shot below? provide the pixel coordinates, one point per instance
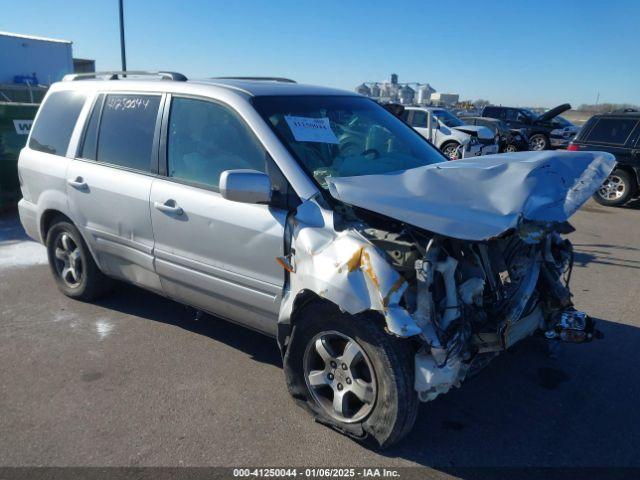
(451, 151)
(74, 270)
(538, 142)
(617, 189)
(511, 148)
(393, 403)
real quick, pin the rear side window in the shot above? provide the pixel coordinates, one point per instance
(615, 131)
(419, 119)
(127, 127)
(56, 120)
(493, 112)
(90, 143)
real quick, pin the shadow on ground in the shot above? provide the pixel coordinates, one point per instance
(542, 404)
(135, 301)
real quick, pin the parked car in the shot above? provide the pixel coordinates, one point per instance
(541, 130)
(385, 273)
(509, 140)
(619, 134)
(451, 135)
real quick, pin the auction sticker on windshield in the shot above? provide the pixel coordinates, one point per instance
(306, 129)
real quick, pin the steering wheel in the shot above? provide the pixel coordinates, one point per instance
(371, 151)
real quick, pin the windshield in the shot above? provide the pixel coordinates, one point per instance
(447, 118)
(342, 136)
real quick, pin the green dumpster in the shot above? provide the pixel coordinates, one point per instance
(15, 123)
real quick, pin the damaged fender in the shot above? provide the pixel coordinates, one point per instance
(343, 268)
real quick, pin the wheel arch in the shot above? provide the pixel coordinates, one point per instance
(47, 221)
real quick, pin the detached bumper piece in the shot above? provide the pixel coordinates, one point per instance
(573, 326)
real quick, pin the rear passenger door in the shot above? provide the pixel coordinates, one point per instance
(213, 253)
(109, 183)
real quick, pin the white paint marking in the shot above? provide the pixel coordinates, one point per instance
(103, 328)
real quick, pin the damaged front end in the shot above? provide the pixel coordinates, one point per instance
(463, 297)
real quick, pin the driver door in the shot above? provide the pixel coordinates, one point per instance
(210, 252)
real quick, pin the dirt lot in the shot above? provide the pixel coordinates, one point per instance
(136, 380)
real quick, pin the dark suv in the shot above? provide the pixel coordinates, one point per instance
(542, 131)
(617, 133)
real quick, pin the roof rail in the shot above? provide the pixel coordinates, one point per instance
(263, 79)
(115, 75)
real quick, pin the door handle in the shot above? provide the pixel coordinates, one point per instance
(169, 206)
(78, 183)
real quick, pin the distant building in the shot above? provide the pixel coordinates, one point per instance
(411, 93)
(444, 99)
(25, 59)
(29, 64)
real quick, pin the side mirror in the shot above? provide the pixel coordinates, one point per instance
(246, 186)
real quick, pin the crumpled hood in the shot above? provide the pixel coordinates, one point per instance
(481, 132)
(481, 198)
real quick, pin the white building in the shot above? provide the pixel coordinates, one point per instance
(444, 99)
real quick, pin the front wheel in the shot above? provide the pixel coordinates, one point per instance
(538, 142)
(616, 190)
(74, 270)
(352, 375)
(511, 148)
(451, 150)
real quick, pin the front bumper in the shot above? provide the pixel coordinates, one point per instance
(479, 149)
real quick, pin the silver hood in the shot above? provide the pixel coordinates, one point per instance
(480, 198)
(482, 132)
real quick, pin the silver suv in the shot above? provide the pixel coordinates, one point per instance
(386, 274)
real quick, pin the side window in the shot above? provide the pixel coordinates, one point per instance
(493, 112)
(512, 115)
(90, 142)
(419, 119)
(205, 138)
(522, 117)
(56, 121)
(126, 130)
(612, 130)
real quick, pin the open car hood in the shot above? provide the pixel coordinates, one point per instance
(554, 112)
(480, 198)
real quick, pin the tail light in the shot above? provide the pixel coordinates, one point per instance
(573, 147)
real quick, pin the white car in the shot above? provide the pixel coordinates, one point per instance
(450, 134)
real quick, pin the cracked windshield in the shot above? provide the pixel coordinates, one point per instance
(344, 136)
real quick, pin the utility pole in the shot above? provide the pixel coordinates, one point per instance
(123, 55)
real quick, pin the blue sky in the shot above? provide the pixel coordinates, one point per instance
(536, 53)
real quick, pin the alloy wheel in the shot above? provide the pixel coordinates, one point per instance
(339, 376)
(613, 188)
(537, 143)
(451, 152)
(68, 260)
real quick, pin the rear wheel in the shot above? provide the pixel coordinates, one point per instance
(352, 375)
(74, 270)
(616, 190)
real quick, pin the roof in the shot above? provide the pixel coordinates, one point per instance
(33, 37)
(258, 88)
